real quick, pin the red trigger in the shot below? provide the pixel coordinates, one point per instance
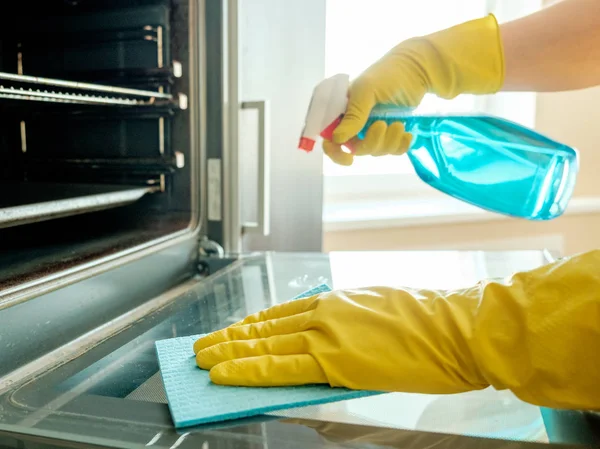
(327, 133)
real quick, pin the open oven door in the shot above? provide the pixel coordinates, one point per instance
(103, 388)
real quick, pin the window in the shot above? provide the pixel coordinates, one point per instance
(357, 33)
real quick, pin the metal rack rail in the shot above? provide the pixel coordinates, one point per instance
(23, 203)
(33, 88)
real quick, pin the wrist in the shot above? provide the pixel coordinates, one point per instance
(467, 58)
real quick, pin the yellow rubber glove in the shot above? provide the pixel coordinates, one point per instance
(537, 334)
(465, 59)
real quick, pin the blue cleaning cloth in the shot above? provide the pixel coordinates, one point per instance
(193, 399)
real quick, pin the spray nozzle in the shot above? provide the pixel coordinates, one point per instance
(325, 111)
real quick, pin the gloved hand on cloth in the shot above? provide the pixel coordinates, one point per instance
(537, 334)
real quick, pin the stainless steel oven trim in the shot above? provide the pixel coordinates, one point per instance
(197, 108)
(231, 165)
(26, 291)
(75, 348)
(85, 342)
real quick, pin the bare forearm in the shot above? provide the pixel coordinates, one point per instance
(555, 49)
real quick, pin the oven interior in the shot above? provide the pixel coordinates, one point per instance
(96, 147)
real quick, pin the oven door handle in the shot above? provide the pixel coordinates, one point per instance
(264, 170)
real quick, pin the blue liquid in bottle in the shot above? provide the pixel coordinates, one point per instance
(489, 162)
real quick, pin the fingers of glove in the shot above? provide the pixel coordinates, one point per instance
(393, 141)
(232, 350)
(360, 102)
(269, 371)
(404, 144)
(374, 139)
(335, 152)
(282, 310)
(380, 140)
(261, 329)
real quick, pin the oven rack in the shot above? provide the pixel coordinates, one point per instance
(165, 164)
(159, 76)
(30, 202)
(33, 88)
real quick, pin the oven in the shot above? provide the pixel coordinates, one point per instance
(130, 211)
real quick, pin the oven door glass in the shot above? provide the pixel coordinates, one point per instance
(111, 395)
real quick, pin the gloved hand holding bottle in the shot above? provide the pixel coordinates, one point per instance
(554, 49)
(466, 58)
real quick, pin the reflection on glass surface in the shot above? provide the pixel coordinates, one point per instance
(487, 413)
(434, 269)
(112, 393)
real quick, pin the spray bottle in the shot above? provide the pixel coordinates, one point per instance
(489, 162)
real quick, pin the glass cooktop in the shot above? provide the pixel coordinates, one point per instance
(111, 394)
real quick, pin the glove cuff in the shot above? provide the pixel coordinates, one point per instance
(465, 59)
